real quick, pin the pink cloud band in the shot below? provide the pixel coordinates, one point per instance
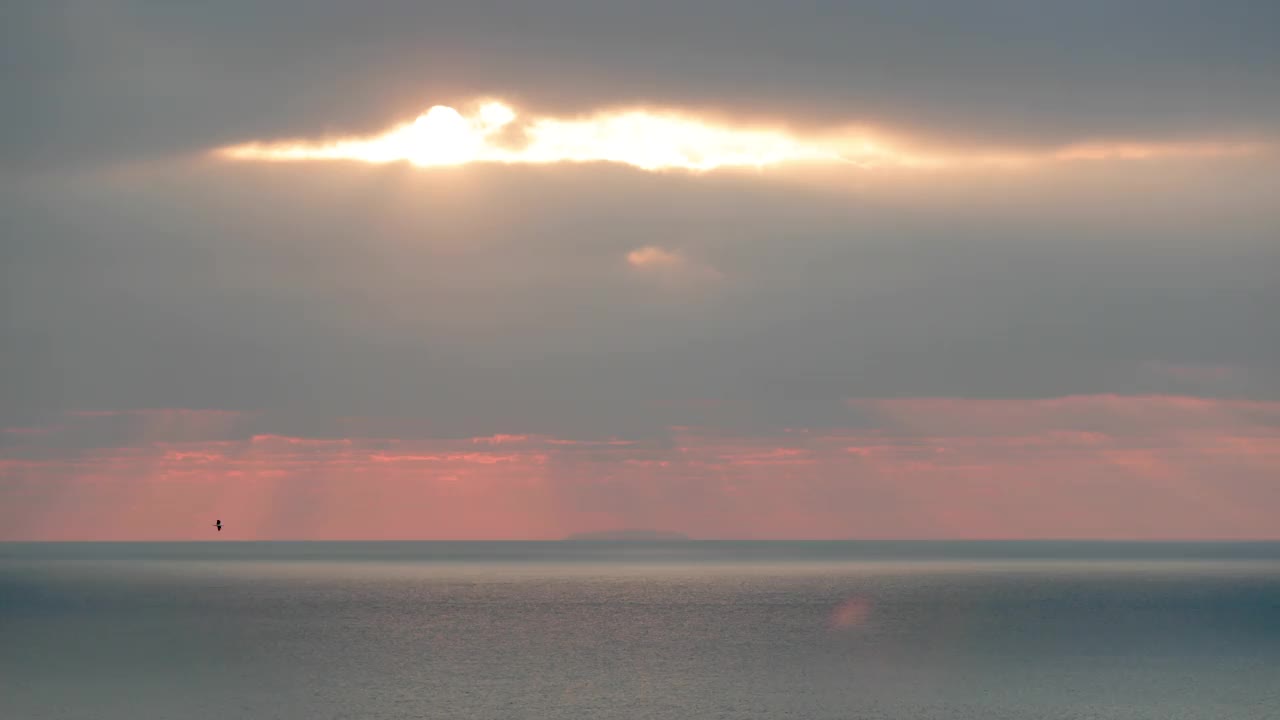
(1103, 466)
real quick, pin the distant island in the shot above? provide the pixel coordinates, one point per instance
(628, 535)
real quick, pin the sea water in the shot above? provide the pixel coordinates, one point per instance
(599, 630)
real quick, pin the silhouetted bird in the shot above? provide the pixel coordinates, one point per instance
(218, 525)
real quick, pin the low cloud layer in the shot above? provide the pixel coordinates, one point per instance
(1052, 468)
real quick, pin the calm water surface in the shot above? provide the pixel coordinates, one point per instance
(881, 631)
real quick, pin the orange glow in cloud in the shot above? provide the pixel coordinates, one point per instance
(651, 256)
(648, 140)
(672, 268)
(656, 140)
(1144, 151)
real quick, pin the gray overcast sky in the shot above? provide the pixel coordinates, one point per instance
(135, 273)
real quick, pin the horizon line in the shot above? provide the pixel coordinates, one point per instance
(1135, 541)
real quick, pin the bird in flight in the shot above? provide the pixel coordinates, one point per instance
(218, 525)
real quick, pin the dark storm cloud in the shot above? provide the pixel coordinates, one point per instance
(91, 80)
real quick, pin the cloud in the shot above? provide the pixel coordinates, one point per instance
(503, 299)
(1054, 251)
(1123, 414)
(673, 269)
(1076, 467)
(1209, 379)
(647, 140)
(668, 139)
(653, 257)
(501, 439)
(990, 72)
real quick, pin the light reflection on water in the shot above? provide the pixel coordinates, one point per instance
(659, 631)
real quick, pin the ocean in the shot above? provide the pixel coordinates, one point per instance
(630, 630)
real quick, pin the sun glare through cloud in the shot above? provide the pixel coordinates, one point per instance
(648, 140)
(655, 140)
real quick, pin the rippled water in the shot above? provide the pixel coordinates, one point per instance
(640, 630)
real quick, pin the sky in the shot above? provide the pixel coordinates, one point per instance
(513, 270)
